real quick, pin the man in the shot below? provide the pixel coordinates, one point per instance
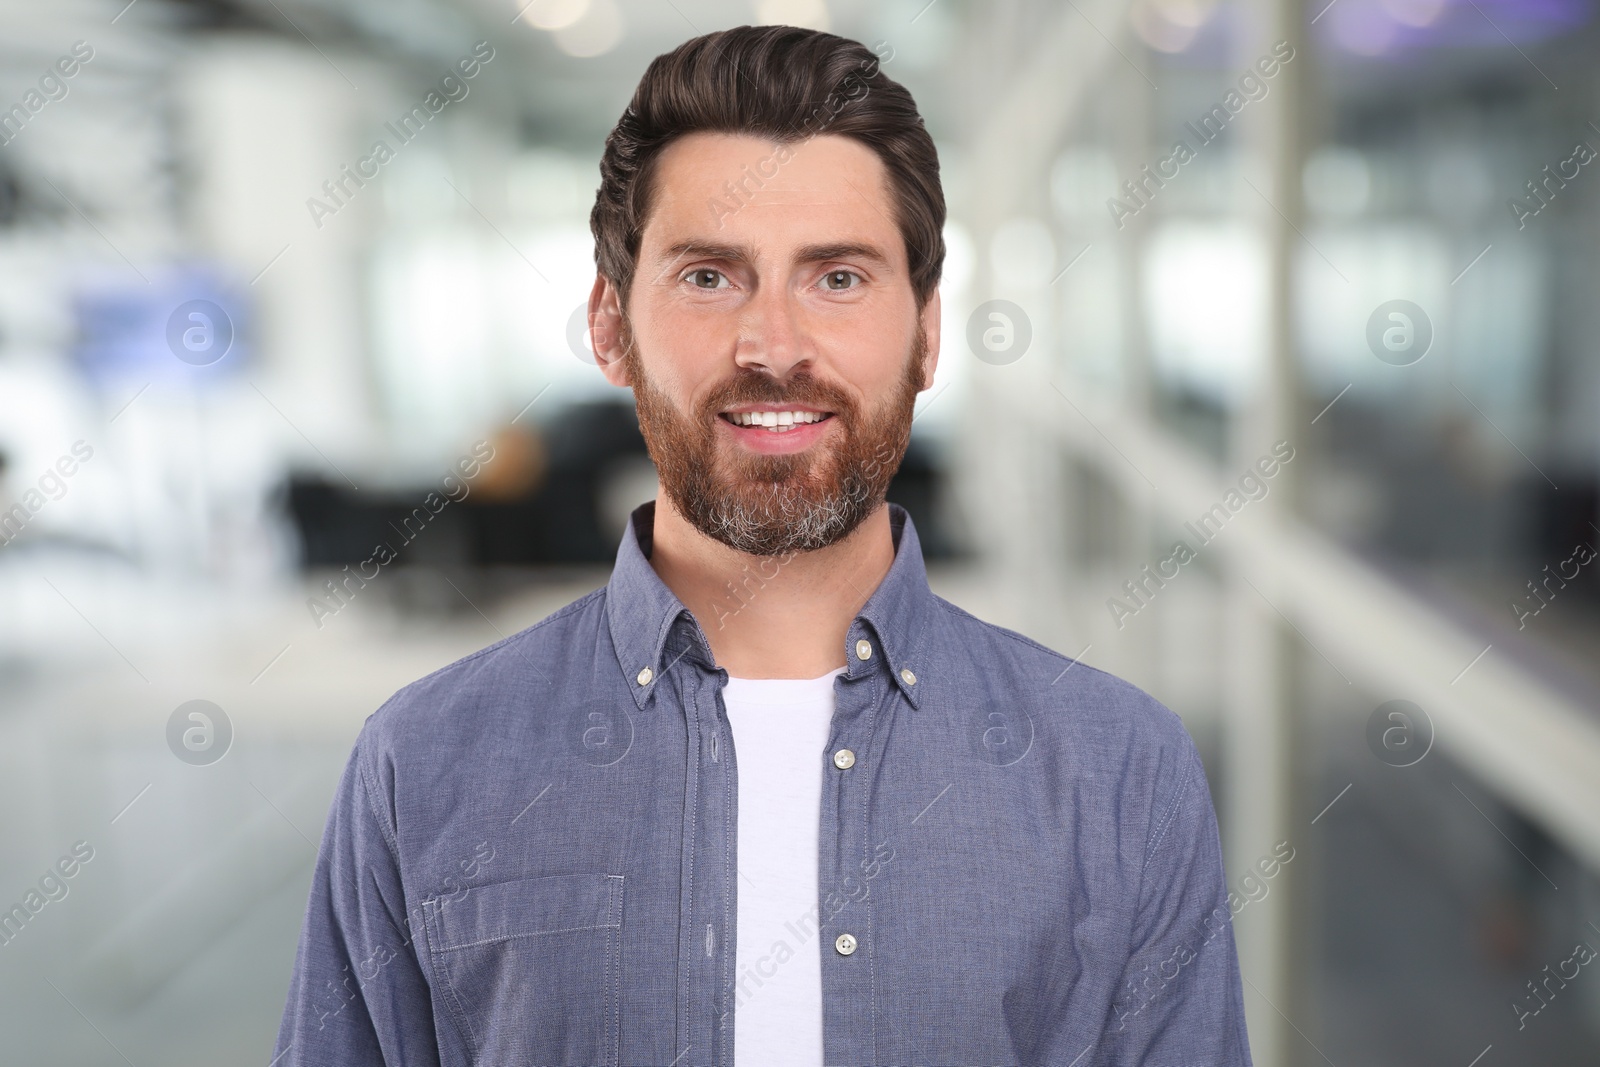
(764, 798)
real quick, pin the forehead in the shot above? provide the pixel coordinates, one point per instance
(727, 187)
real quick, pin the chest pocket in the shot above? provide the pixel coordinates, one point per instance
(531, 968)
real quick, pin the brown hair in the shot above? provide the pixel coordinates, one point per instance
(786, 84)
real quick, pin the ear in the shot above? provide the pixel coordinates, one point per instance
(605, 330)
(930, 323)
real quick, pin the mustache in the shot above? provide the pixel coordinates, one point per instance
(746, 386)
(755, 387)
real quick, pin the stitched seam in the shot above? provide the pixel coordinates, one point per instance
(605, 980)
(896, 655)
(368, 780)
(456, 1007)
(1177, 801)
(388, 839)
(691, 797)
(528, 933)
(616, 988)
(866, 837)
(390, 842)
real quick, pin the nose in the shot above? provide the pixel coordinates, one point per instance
(772, 334)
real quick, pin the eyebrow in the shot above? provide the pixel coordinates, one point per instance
(743, 253)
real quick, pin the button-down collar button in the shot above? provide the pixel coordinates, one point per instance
(645, 675)
(845, 943)
(844, 759)
(863, 649)
(907, 677)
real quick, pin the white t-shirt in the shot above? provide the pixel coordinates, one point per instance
(780, 727)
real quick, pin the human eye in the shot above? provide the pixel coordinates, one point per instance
(707, 278)
(839, 281)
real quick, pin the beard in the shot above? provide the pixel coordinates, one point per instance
(768, 505)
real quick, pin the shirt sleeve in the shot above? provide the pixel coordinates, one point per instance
(1180, 1000)
(358, 997)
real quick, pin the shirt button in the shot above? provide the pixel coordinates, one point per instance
(907, 677)
(845, 943)
(863, 649)
(844, 759)
(645, 675)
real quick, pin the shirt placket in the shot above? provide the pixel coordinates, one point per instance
(707, 931)
(722, 845)
(844, 908)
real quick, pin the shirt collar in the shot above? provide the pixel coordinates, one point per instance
(643, 613)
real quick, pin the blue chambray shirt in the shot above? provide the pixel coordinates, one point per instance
(530, 858)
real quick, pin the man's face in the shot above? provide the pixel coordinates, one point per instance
(772, 338)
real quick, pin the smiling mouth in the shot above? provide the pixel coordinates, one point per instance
(775, 420)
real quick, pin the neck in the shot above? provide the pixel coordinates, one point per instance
(772, 616)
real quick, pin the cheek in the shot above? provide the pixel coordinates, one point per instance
(685, 345)
(871, 356)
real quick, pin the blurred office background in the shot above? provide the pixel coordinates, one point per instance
(229, 370)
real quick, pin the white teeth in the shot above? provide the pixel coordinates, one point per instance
(775, 421)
